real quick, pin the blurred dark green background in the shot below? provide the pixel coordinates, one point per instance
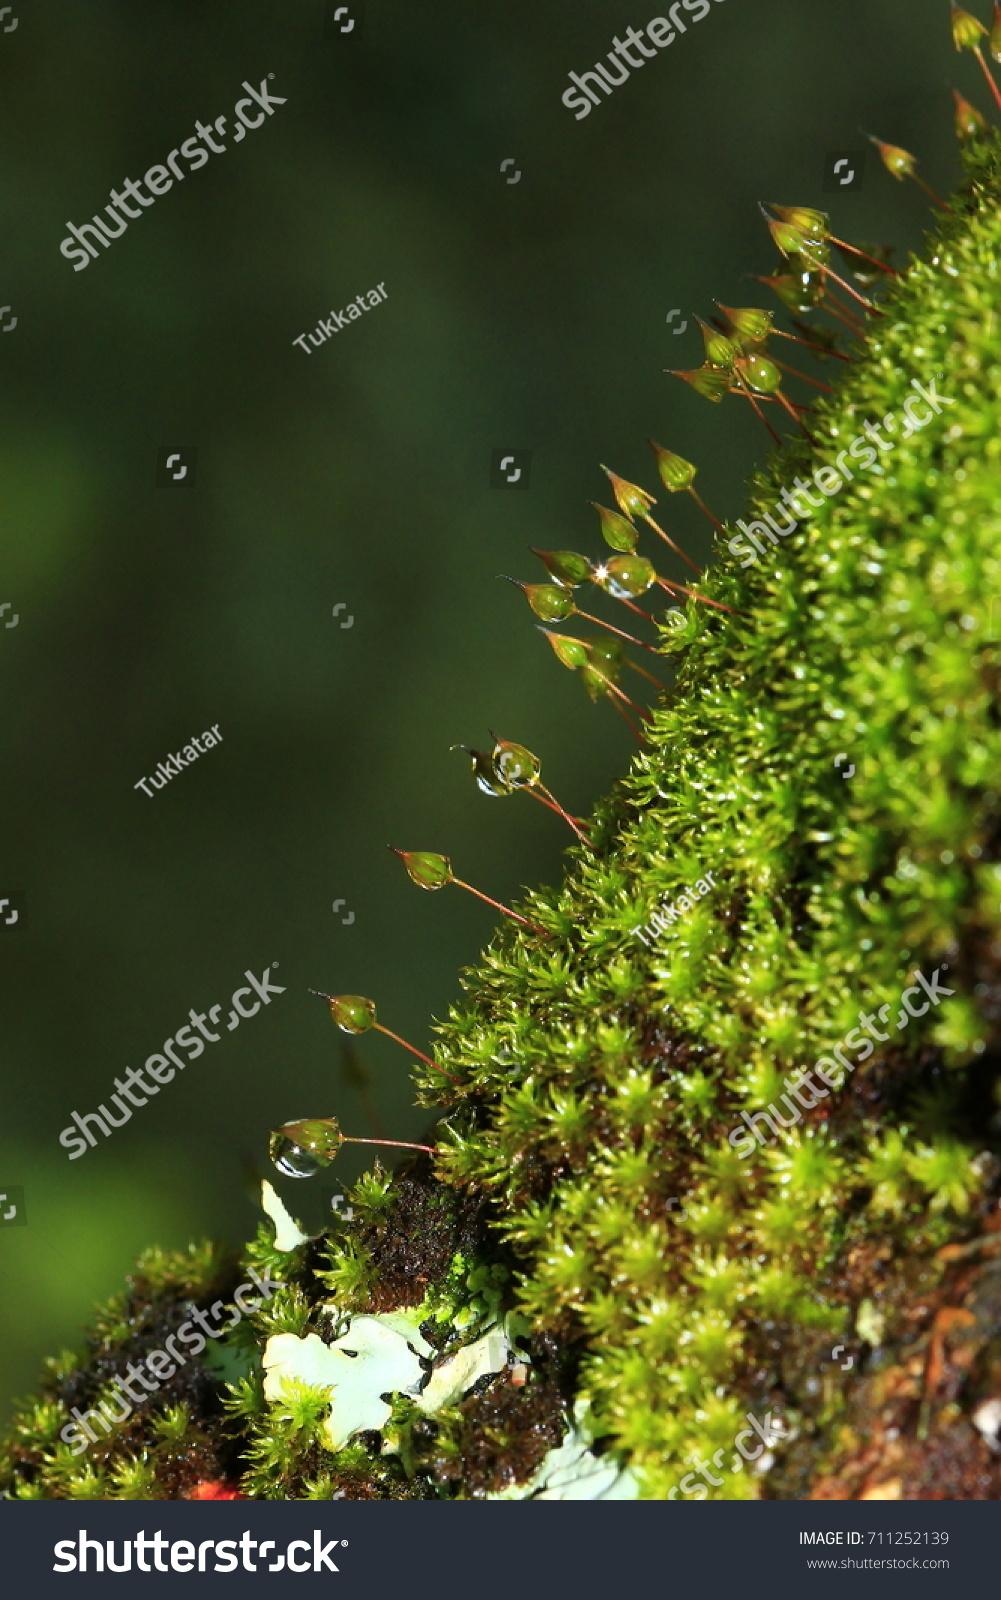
(529, 315)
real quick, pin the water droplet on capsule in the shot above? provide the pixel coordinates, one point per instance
(302, 1149)
(353, 1013)
(483, 772)
(626, 577)
(486, 780)
(516, 765)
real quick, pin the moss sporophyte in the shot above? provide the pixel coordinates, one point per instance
(304, 1148)
(354, 1014)
(512, 768)
(432, 871)
(576, 1285)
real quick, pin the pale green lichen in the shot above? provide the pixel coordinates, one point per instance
(369, 1360)
(288, 1234)
(573, 1472)
(457, 1374)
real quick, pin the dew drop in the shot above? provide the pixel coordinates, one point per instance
(516, 766)
(353, 1013)
(486, 778)
(626, 577)
(302, 1149)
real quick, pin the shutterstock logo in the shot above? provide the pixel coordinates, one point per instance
(640, 45)
(84, 1554)
(81, 242)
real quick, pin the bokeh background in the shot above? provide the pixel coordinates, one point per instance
(529, 315)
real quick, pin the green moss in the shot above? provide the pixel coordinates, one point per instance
(585, 1172)
(164, 1443)
(606, 1076)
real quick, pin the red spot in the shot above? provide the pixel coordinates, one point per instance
(214, 1489)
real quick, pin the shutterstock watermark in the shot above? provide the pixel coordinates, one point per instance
(763, 1435)
(182, 1555)
(629, 55)
(159, 1366)
(864, 451)
(746, 1139)
(133, 1091)
(80, 243)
